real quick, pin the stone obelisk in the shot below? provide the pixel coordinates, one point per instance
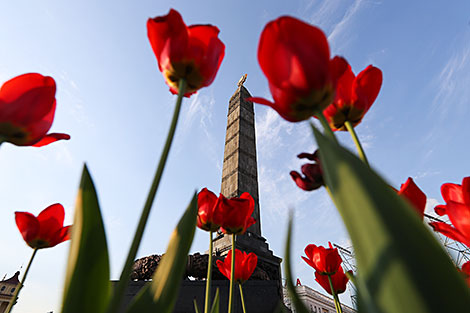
(240, 174)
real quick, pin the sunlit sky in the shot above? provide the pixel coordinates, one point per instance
(113, 101)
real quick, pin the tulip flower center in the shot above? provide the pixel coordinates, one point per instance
(347, 113)
(186, 70)
(317, 100)
(13, 134)
(39, 243)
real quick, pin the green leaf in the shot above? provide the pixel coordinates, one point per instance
(160, 295)
(401, 266)
(215, 304)
(87, 284)
(196, 309)
(295, 300)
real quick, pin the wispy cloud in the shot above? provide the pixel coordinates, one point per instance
(269, 128)
(451, 94)
(340, 33)
(335, 17)
(452, 83)
(200, 111)
(69, 95)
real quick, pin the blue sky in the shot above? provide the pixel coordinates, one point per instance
(112, 100)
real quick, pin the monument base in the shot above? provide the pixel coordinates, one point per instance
(260, 296)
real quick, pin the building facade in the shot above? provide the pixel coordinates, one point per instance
(7, 288)
(315, 301)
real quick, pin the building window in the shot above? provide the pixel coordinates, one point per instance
(12, 290)
(3, 288)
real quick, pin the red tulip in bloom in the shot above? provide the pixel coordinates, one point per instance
(313, 176)
(27, 108)
(354, 97)
(237, 213)
(44, 231)
(209, 216)
(295, 57)
(466, 272)
(192, 53)
(457, 208)
(338, 280)
(411, 192)
(245, 265)
(323, 260)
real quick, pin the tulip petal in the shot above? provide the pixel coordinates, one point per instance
(450, 232)
(168, 37)
(249, 265)
(440, 209)
(344, 88)
(211, 63)
(251, 202)
(28, 225)
(204, 33)
(210, 215)
(411, 192)
(308, 261)
(51, 220)
(27, 98)
(260, 101)
(459, 215)
(50, 138)
(294, 54)
(466, 190)
(366, 87)
(338, 66)
(221, 267)
(308, 156)
(61, 235)
(452, 192)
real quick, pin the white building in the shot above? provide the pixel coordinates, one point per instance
(7, 288)
(315, 301)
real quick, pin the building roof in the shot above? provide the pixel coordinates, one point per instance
(307, 294)
(12, 280)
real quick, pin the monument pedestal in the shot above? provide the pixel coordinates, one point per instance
(250, 242)
(261, 296)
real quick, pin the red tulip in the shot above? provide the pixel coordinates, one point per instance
(245, 265)
(209, 216)
(192, 53)
(27, 108)
(323, 260)
(338, 280)
(354, 97)
(313, 176)
(411, 192)
(295, 57)
(457, 208)
(466, 272)
(44, 231)
(237, 213)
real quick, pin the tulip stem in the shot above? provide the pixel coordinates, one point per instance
(241, 296)
(209, 275)
(361, 152)
(232, 275)
(335, 296)
(326, 126)
(18, 288)
(118, 294)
